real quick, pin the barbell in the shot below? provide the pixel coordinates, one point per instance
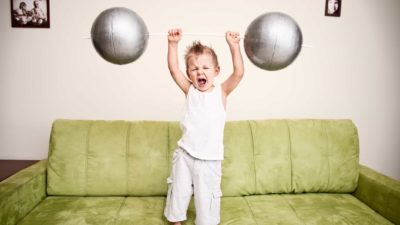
(272, 41)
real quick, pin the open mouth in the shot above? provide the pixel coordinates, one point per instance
(201, 81)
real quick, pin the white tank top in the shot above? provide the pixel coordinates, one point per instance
(203, 124)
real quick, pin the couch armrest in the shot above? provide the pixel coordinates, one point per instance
(20, 193)
(379, 192)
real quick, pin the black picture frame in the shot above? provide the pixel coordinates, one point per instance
(333, 8)
(30, 13)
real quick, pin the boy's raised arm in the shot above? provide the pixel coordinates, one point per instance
(174, 36)
(233, 80)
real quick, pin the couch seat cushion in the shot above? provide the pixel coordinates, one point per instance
(309, 209)
(97, 211)
(312, 209)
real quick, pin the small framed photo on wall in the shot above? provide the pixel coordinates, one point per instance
(333, 8)
(30, 13)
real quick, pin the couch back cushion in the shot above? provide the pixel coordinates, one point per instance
(290, 156)
(93, 158)
(111, 158)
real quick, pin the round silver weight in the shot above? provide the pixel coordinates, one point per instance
(119, 35)
(273, 41)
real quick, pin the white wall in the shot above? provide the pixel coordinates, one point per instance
(352, 71)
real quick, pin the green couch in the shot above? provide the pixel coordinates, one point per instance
(274, 172)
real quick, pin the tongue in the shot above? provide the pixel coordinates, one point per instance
(202, 81)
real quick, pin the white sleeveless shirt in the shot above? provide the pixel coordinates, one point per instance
(203, 124)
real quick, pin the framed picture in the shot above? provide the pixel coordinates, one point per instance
(30, 13)
(333, 8)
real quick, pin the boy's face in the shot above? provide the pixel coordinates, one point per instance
(202, 70)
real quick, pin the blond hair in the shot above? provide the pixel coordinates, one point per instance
(197, 49)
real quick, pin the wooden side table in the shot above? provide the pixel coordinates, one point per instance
(10, 167)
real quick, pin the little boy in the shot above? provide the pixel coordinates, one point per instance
(197, 161)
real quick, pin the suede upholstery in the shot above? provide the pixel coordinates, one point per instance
(22, 192)
(111, 158)
(274, 172)
(380, 193)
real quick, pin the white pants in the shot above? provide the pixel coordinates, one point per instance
(201, 177)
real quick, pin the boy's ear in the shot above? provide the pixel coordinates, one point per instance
(187, 75)
(190, 79)
(217, 69)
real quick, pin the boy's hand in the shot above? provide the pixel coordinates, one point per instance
(232, 38)
(174, 35)
(233, 80)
